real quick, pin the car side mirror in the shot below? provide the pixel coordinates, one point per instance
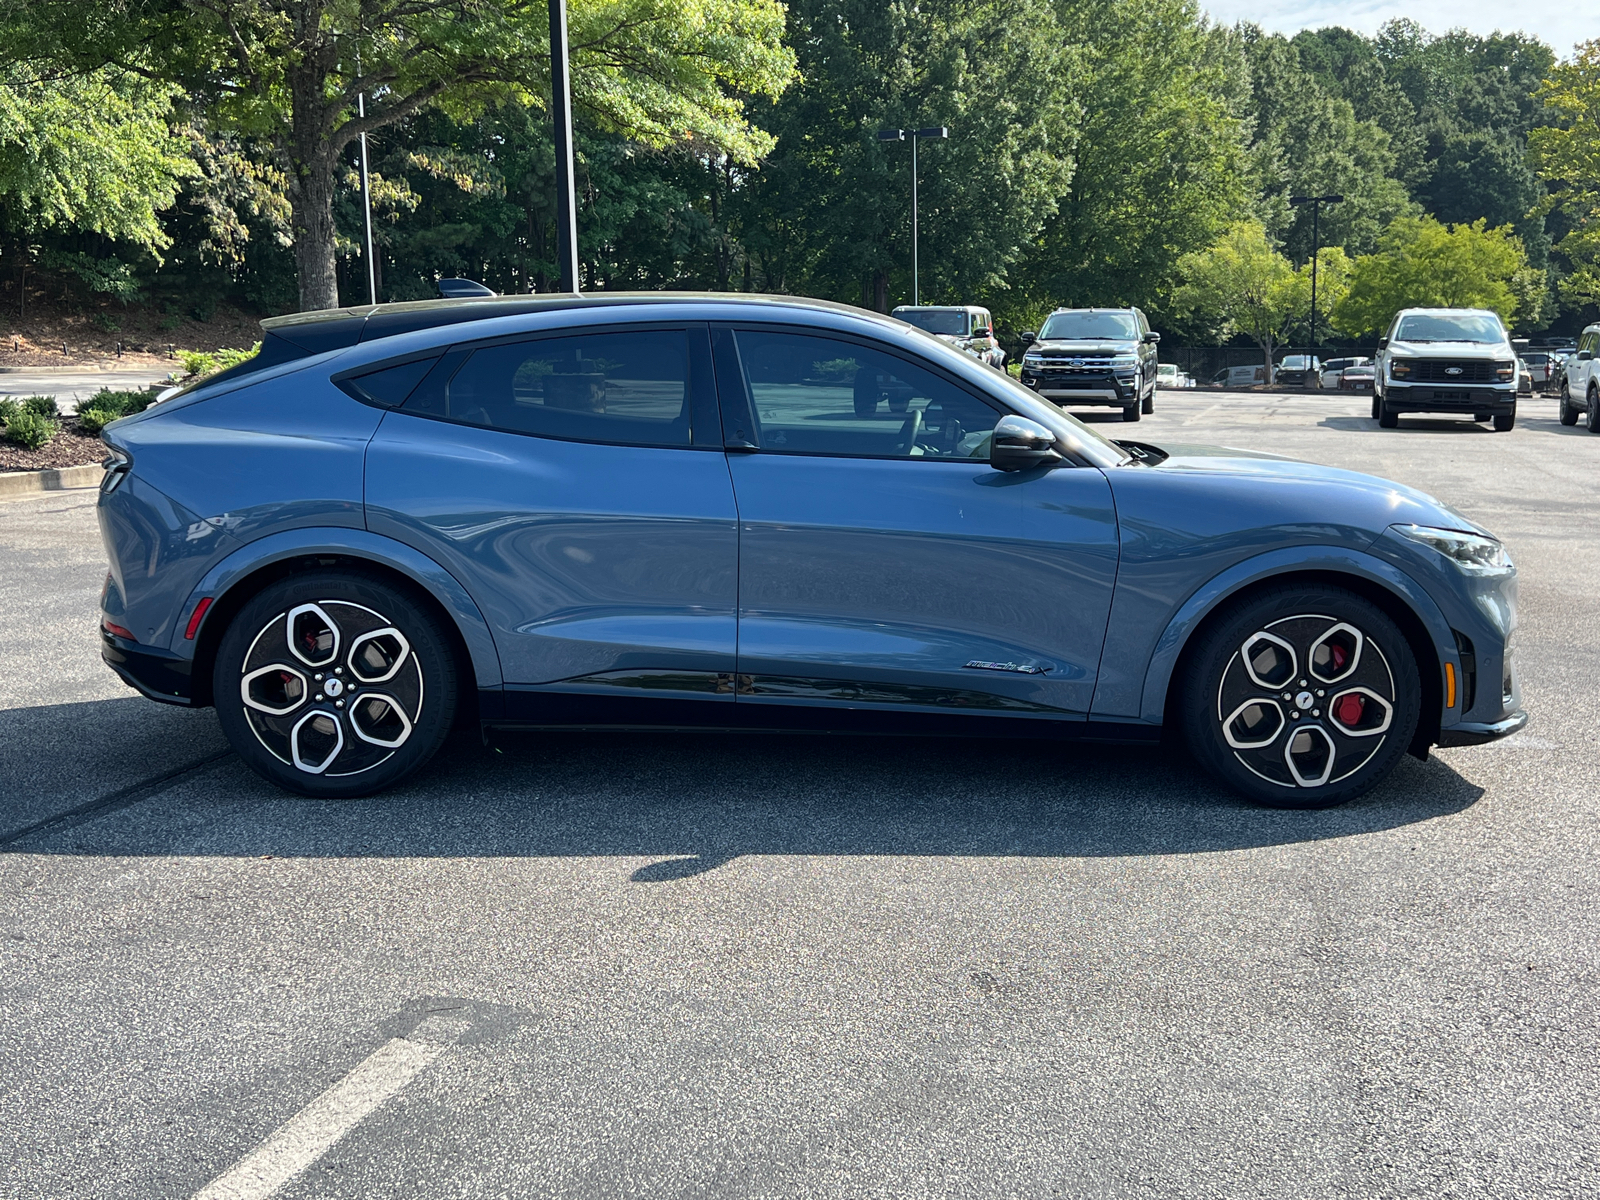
(1152, 338)
(1585, 355)
(1019, 444)
(981, 331)
(1028, 338)
(1382, 342)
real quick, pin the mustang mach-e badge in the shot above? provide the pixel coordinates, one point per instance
(1019, 668)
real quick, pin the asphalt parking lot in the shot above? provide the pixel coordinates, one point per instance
(706, 965)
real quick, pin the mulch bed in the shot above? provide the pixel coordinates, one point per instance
(68, 448)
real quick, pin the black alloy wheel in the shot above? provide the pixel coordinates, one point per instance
(334, 684)
(1301, 697)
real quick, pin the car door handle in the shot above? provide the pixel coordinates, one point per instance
(738, 445)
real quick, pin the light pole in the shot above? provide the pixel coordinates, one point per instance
(561, 119)
(899, 135)
(1316, 203)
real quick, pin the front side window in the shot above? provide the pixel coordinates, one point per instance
(1081, 326)
(627, 388)
(814, 395)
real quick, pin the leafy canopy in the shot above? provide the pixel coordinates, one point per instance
(1422, 263)
(1242, 284)
(1567, 158)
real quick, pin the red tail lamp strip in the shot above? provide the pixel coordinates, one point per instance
(199, 615)
(113, 628)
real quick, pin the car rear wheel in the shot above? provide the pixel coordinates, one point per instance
(1593, 411)
(1301, 697)
(1569, 414)
(1503, 422)
(334, 684)
(1149, 405)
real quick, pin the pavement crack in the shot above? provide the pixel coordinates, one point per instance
(111, 802)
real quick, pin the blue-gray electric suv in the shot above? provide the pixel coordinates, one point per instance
(670, 511)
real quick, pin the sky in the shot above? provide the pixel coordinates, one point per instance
(1558, 23)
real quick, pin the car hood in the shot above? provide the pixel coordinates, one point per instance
(1091, 347)
(1352, 496)
(1452, 349)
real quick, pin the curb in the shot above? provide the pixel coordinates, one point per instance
(57, 479)
(86, 369)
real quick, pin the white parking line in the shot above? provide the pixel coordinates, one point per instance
(311, 1132)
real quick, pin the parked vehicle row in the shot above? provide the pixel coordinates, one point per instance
(681, 511)
(1580, 382)
(966, 327)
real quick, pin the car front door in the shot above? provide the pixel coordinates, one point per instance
(882, 561)
(575, 484)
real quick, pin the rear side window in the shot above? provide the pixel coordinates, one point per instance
(388, 387)
(626, 388)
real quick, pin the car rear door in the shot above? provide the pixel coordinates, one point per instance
(883, 563)
(575, 484)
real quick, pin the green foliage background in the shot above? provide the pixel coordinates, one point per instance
(1096, 150)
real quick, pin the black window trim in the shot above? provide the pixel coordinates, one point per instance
(702, 392)
(739, 407)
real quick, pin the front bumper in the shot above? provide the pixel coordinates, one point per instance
(158, 674)
(1082, 388)
(1476, 733)
(1439, 397)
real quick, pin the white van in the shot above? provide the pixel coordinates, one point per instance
(1240, 377)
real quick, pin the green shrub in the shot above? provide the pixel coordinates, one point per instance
(44, 406)
(30, 430)
(106, 321)
(8, 409)
(121, 404)
(202, 362)
(92, 420)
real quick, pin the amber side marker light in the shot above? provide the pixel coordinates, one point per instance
(204, 606)
(1449, 685)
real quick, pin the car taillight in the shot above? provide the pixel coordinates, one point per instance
(120, 631)
(198, 616)
(116, 466)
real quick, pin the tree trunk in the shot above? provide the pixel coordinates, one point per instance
(1266, 345)
(880, 291)
(311, 212)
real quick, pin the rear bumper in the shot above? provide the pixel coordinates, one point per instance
(158, 674)
(1438, 397)
(1476, 733)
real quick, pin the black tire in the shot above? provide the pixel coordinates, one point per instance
(1592, 411)
(1387, 418)
(1377, 408)
(1351, 744)
(1569, 415)
(381, 726)
(1131, 413)
(1505, 422)
(1149, 405)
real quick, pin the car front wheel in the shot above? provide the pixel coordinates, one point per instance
(1569, 414)
(334, 684)
(1301, 697)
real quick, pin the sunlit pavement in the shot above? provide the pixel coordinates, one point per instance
(690, 965)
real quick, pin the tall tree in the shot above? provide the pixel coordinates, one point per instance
(1567, 157)
(1422, 263)
(1242, 284)
(290, 72)
(830, 211)
(1161, 164)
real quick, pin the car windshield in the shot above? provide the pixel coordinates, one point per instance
(1083, 326)
(1536, 358)
(1295, 362)
(1465, 327)
(935, 320)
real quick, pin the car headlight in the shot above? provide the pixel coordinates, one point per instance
(1033, 360)
(1472, 553)
(1399, 368)
(1505, 371)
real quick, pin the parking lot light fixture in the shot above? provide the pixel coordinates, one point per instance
(939, 133)
(1316, 203)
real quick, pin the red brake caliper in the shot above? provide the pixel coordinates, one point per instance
(1339, 655)
(1349, 708)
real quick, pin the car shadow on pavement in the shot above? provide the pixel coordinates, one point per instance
(691, 802)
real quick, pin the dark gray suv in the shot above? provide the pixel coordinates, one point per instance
(1093, 356)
